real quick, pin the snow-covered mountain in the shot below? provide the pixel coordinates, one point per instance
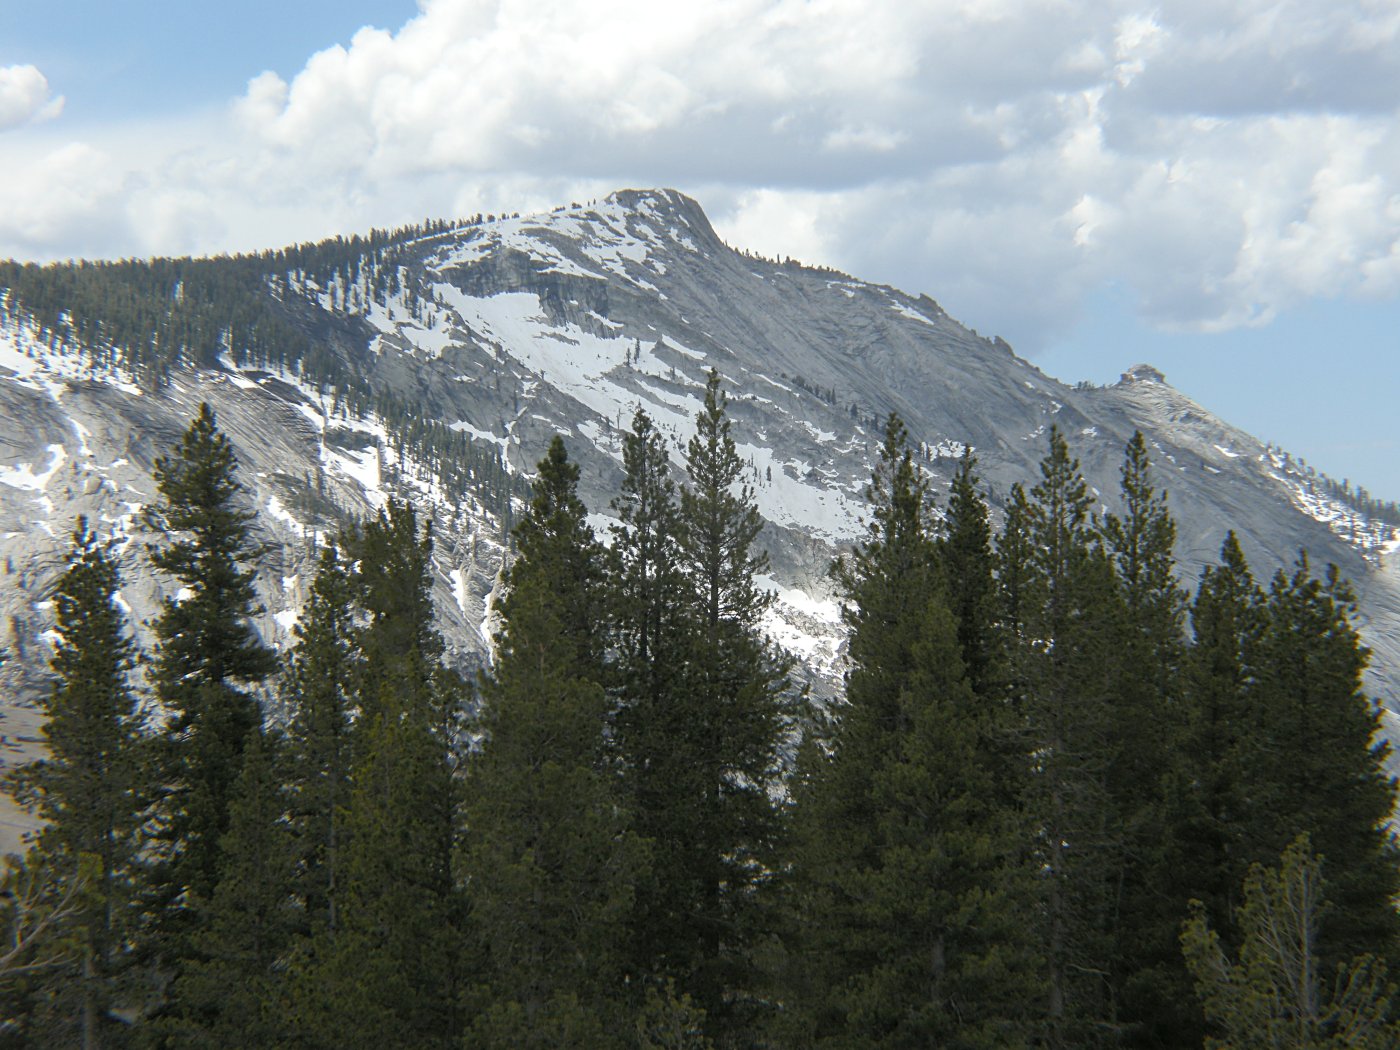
(504, 332)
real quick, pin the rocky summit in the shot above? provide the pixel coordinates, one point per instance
(436, 362)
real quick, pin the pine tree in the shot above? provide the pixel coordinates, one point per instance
(966, 560)
(1226, 621)
(228, 995)
(319, 688)
(388, 974)
(720, 834)
(646, 624)
(1013, 571)
(386, 977)
(1141, 543)
(1314, 760)
(549, 856)
(887, 585)
(1197, 856)
(911, 882)
(968, 565)
(208, 657)
(559, 553)
(90, 790)
(1068, 606)
(888, 581)
(1274, 996)
(1146, 726)
(392, 583)
(649, 639)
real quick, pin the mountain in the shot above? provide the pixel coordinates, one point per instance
(436, 362)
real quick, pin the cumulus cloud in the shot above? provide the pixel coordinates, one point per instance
(1008, 156)
(25, 97)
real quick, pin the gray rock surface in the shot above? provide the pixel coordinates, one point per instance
(566, 323)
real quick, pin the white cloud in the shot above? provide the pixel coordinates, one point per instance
(69, 195)
(1008, 156)
(25, 97)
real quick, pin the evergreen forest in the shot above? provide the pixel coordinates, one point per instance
(1063, 801)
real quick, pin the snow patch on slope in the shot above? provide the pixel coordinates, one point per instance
(40, 366)
(1371, 536)
(24, 476)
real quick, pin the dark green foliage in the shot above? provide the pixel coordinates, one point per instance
(1064, 655)
(89, 789)
(400, 920)
(717, 837)
(888, 581)
(968, 564)
(1146, 726)
(1013, 568)
(386, 977)
(940, 910)
(1226, 620)
(1314, 761)
(649, 635)
(1278, 994)
(965, 556)
(992, 841)
(701, 714)
(1203, 804)
(559, 556)
(387, 974)
(549, 855)
(1151, 636)
(647, 625)
(912, 887)
(227, 994)
(208, 657)
(392, 584)
(319, 687)
(888, 584)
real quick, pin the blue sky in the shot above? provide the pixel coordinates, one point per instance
(1214, 189)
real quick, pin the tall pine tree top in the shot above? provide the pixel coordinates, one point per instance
(645, 553)
(87, 788)
(548, 852)
(889, 578)
(207, 637)
(208, 655)
(965, 551)
(720, 524)
(559, 555)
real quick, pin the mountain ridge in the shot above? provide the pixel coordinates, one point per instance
(437, 363)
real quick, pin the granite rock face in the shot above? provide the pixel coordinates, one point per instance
(514, 330)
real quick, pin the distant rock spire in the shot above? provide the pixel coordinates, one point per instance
(1142, 374)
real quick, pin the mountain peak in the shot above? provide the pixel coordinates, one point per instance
(678, 213)
(1142, 374)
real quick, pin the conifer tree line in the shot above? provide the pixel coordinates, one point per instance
(151, 317)
(1063, 802)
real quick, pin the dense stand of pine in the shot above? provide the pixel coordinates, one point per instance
(1062, 803)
